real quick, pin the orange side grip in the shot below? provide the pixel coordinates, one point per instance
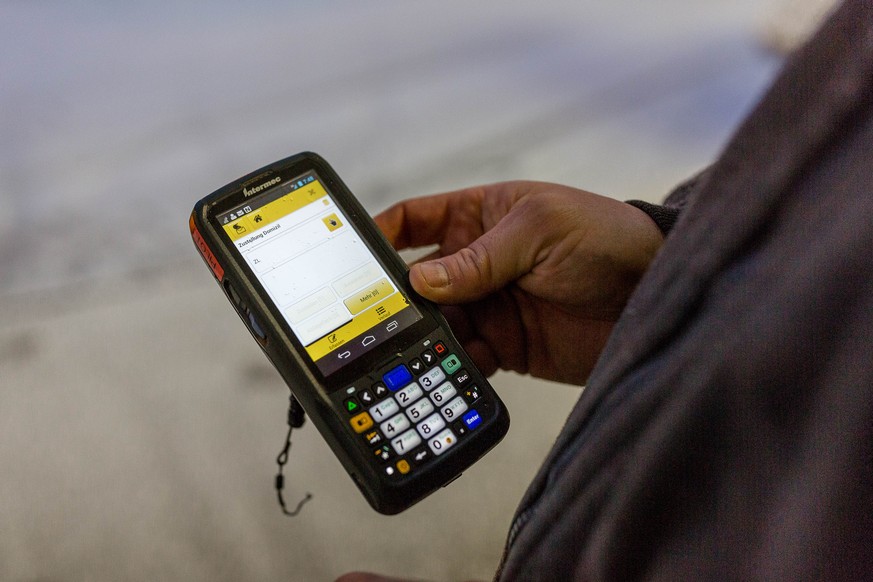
(205, 250)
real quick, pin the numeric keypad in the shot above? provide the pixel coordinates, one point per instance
(418, 408)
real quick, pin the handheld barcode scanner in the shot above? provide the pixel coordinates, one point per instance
(374, 365)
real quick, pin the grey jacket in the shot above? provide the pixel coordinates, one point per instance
(727, 430)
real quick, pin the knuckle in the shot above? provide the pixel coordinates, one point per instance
(476, 261)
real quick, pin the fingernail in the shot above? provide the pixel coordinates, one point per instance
(435, 274)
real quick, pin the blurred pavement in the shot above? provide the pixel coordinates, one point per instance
(139, 424)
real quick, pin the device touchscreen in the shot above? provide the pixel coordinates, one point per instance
(336, 297)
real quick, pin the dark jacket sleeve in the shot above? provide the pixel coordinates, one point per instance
(726, 432)
(665, 215)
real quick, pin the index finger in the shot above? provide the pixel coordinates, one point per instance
(423, 221)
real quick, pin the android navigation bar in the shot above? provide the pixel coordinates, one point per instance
(363, 343)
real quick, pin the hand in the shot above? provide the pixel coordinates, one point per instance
(539, 273)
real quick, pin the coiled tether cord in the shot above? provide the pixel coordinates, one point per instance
(296, 418)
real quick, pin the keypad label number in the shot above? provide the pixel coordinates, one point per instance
(454, 409)
(442, 442)
(394, 426)
(408, 395)
(431, 426)
(432, 378)
(406, 442)
(420, 409)
(443, 394)
(384, 409)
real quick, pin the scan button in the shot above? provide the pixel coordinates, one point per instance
(397, 378)
(361, 422)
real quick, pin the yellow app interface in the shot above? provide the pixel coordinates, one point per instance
(336, 297)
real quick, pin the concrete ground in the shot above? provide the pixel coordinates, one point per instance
(139, 424)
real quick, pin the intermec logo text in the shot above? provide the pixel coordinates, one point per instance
(263, 186)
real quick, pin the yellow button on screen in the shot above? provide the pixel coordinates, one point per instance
(403, 466)
(332, 222)
(361, 422)
(371, 295)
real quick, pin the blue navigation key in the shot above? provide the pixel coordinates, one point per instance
(472, 419)
(397, 378)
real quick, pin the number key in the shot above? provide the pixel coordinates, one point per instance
(454, 409)
(442, 442)
(394, 426)
(420, 409)
(432, 378)
(384, 409)
(431, 426)
(406, 442)
(443, 394)
(408, 395)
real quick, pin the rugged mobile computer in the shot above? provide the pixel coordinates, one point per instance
(374, 365)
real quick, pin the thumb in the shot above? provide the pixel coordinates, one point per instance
(497, 258)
